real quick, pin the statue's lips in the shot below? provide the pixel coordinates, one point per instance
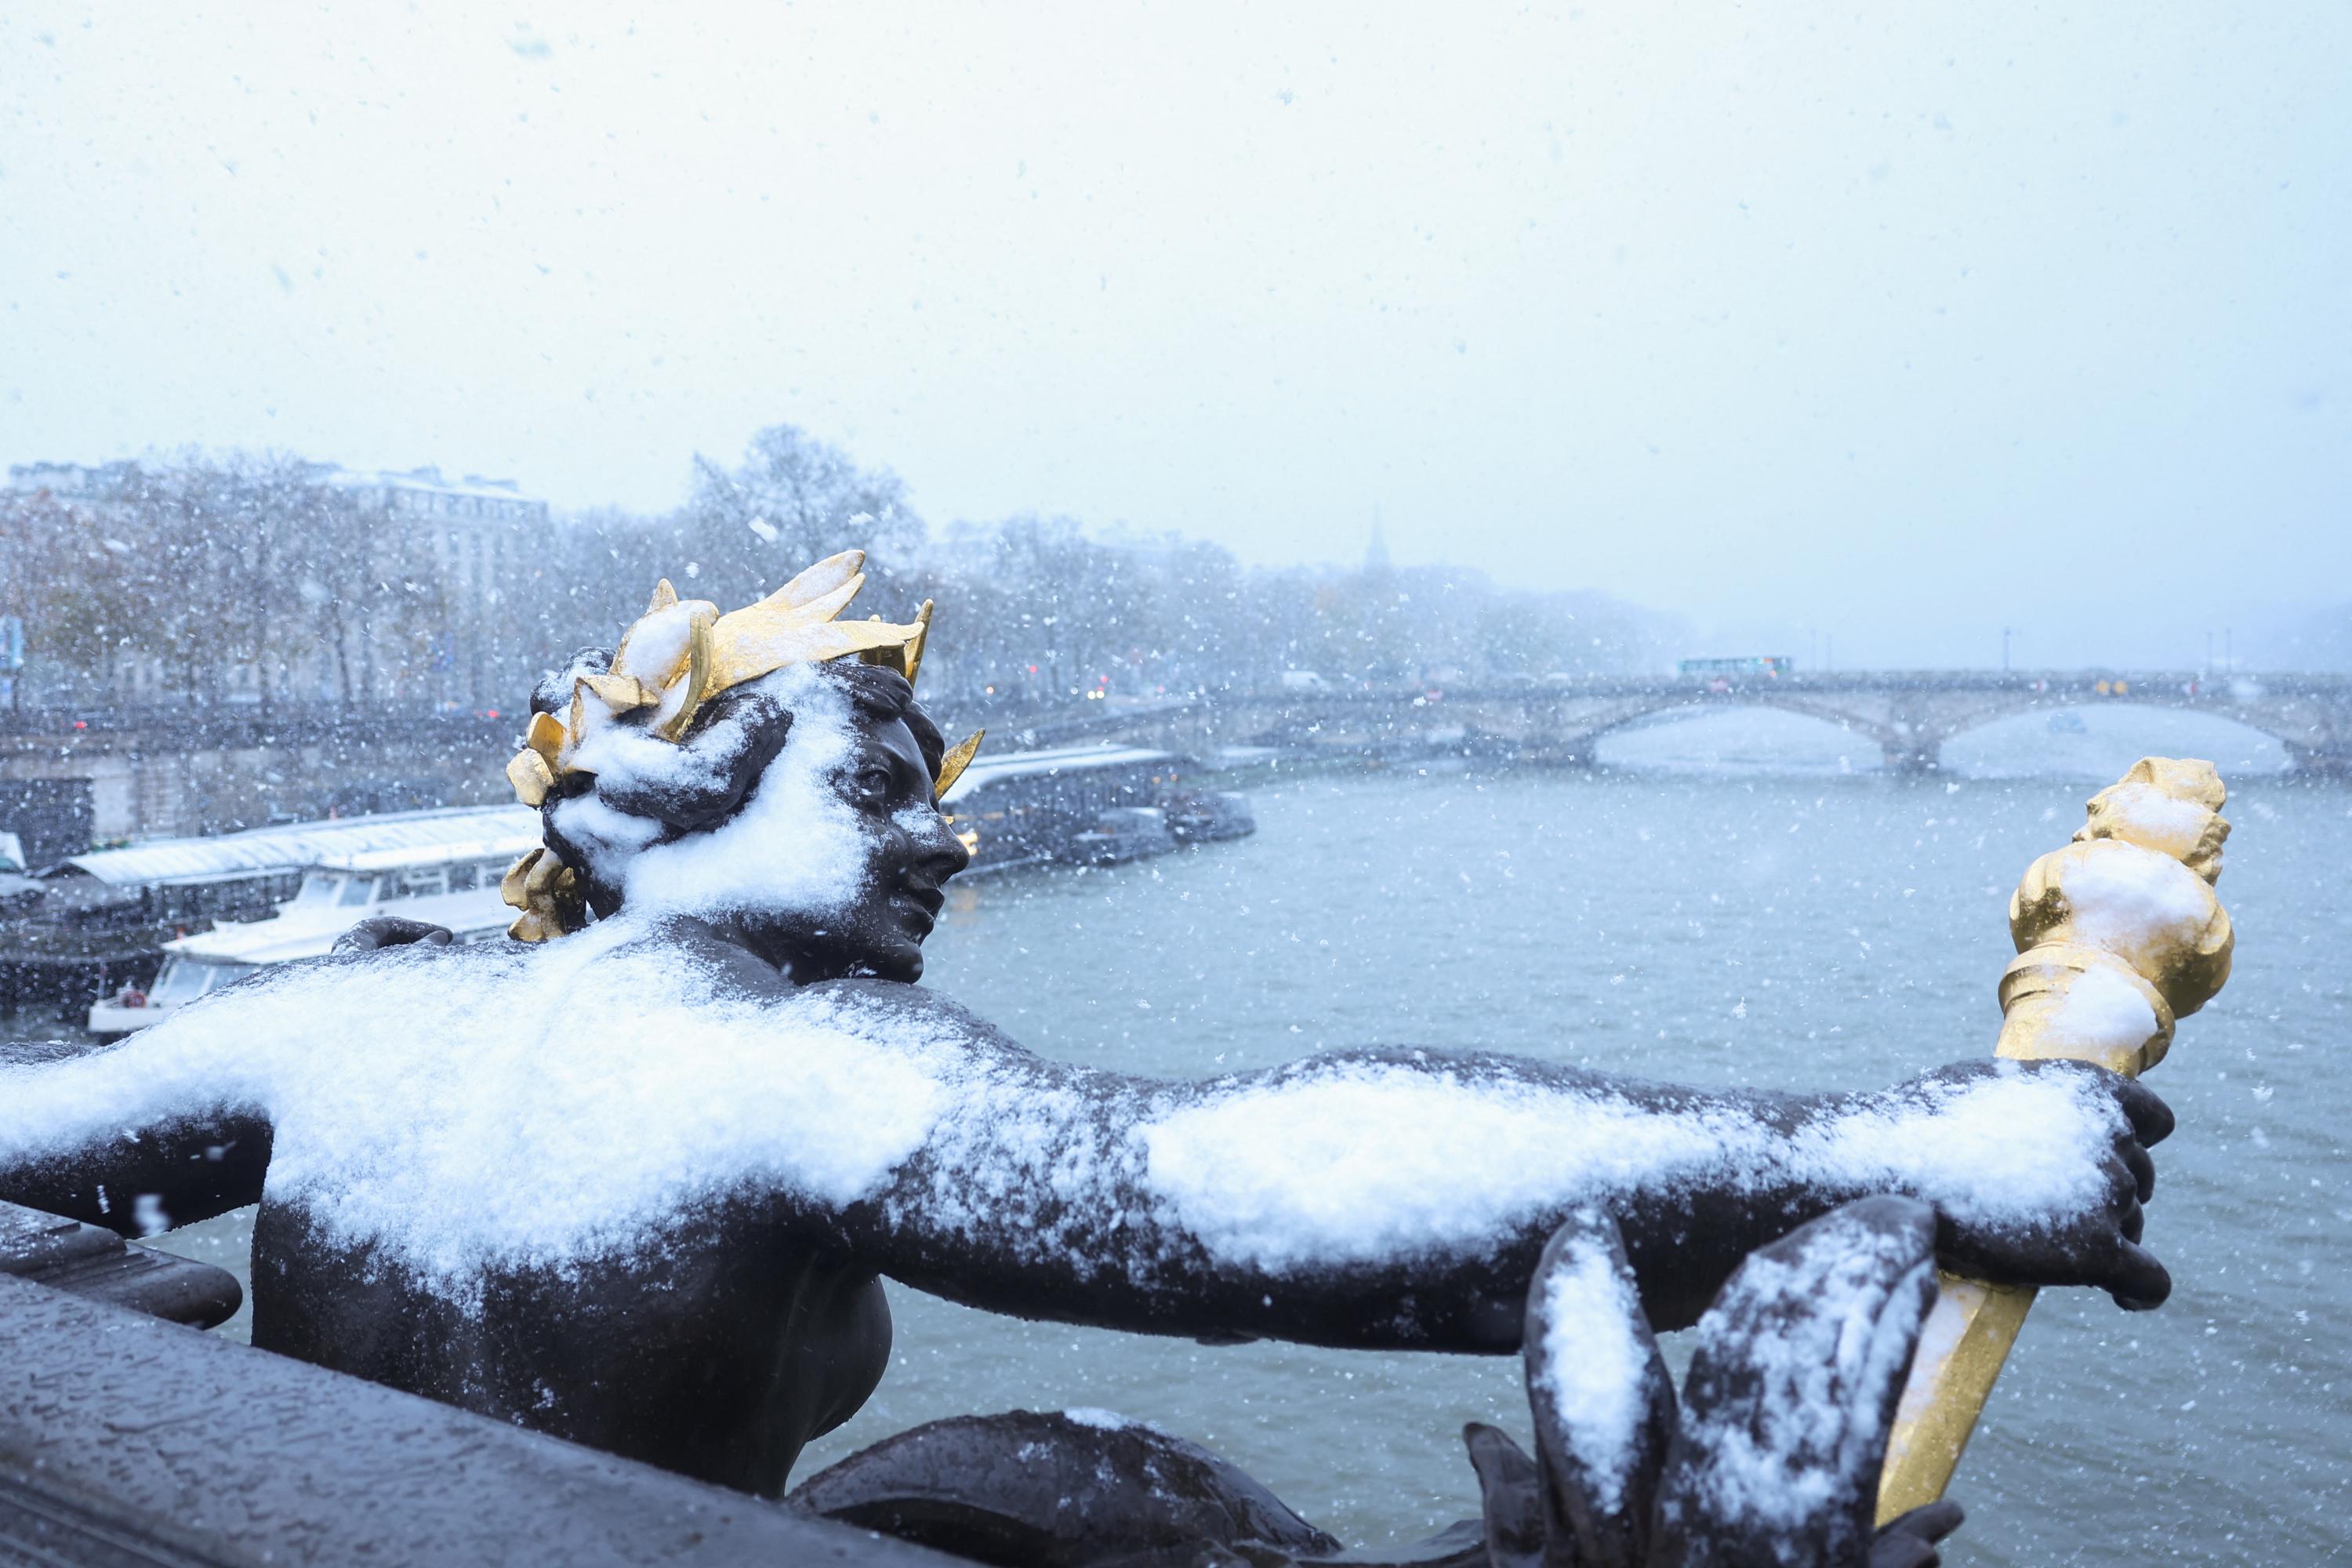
(927, 901)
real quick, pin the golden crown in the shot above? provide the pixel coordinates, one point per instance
(682, 652)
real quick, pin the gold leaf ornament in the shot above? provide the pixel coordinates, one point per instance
(547, 893)
(953, 765)
(682, 652)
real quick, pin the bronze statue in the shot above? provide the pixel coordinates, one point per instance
(639, 1187)
(1769, 1456)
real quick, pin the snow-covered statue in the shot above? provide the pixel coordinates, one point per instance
(1769, 1456)
(636, 1182)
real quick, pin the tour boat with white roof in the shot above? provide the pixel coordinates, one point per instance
(450, 881)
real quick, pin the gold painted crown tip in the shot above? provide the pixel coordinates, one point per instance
(664, 671)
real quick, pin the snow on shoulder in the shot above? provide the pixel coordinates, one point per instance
(530, 1106)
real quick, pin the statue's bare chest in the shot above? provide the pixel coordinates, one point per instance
(718, 1352)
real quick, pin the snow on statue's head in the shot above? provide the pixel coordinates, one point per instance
(768, 771)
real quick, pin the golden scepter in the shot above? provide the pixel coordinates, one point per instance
(2117, 935)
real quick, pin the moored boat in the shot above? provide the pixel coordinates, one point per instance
(450, 881)
(1089, 805)
(100, 919)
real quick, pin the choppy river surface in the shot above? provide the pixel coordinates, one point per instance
(1739, 909)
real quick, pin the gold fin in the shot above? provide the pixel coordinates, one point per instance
(953, 765)
(664, 597)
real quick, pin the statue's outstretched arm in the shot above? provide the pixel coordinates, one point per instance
(157, 1130)
(135, 1139)
(1402, 1198)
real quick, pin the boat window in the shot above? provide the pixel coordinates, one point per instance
(358, 890)
(318, 891)
(425, 882)
(185, 979)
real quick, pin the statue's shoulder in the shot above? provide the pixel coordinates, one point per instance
(895, 1002)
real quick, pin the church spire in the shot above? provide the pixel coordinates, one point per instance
(1376, 554)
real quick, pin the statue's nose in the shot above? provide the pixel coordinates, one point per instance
(945, 854)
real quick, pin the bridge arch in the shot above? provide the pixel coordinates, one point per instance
(1737, 734)
(1913, 719)
(1910, 714)
(2180, 729)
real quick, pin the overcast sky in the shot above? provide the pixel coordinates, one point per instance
(1896, 324)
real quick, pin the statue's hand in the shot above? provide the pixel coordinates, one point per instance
(2044, 1184)
(391, 931)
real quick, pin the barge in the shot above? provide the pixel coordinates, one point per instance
(1087, 805)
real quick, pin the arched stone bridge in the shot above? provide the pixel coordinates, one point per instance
(1908, 715)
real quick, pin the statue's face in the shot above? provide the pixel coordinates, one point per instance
(912, 853)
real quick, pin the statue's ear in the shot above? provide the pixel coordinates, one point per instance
(1792, 1389)
(1604, 1404)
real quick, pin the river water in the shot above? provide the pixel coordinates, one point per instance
(1739, 905)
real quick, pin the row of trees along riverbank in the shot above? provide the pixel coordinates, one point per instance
(257, 579)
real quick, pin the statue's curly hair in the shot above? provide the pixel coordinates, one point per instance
(732, 740)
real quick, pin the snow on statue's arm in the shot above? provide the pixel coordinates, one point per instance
(1402, 1197)
(139, 1137)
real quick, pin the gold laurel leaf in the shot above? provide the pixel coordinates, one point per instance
(742, 650)
(511, 886)
(622, 693)
(624, 661)
(824, 606)
(819, 580)
(546, 736)
(915, 644)
(531, 777)
(953, 765)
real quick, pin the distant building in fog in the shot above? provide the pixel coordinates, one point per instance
(484, 535)
(74, 481)
(425, 490)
